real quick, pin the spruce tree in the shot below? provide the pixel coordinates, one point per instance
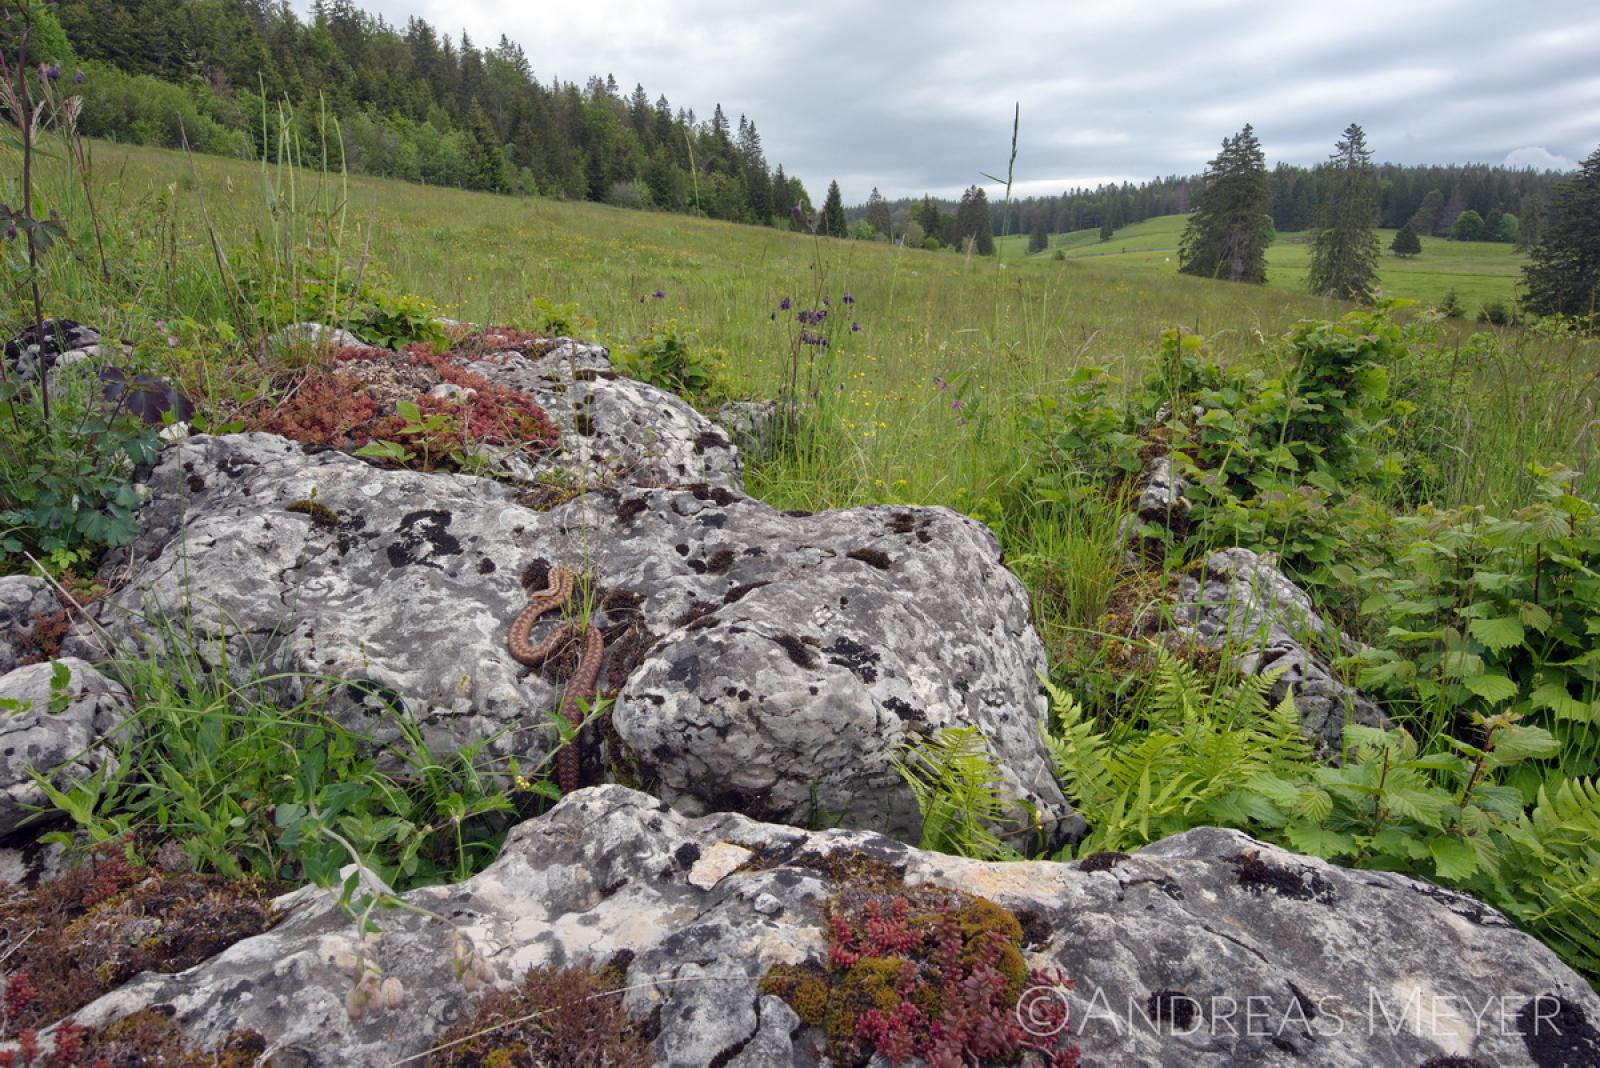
(832, 223)
(1344, 247)
(878, 213)
(1406, 242)
(1563, 273)
(973, 223)
(1039, 235)
(1228, 233)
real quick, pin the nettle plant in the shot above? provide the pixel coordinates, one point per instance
(1479, 613)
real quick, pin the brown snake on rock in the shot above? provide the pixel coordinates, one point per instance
(581, 686)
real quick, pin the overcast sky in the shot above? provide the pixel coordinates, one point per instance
(917, 97)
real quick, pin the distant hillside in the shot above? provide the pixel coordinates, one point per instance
(409, 103)
(1478, 272)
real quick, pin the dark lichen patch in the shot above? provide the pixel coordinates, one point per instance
(738, 593)
(1104, 861)
(857, 658)
(1454, 1062)
(1173, 1007)
(853, 867)
(872, 557)
(1036, 929)
(195, 483)
(715, 494)
(1468, 908)
(1257, 876)
(682, 549)
(1557, 1032)
(589, 374)
(629, 507)
(902, 523)
(709, 439)
(720, 562)
(797, 649)
(696, 611)
(535, 575)
(321, 515)
(621, 607)
(543, 496)
(374, 698)
(350, 532)
(423, 538)
(799, 513)
(686, 855)
(908, 712)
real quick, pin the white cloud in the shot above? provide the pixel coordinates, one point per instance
(916, 97)
(1540, 159)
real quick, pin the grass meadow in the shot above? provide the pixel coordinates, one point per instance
(1478, 271)
(996, 330)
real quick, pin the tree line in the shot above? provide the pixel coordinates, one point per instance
(409, 102)
(1230, 228)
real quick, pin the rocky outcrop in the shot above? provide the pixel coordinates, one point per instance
(1206, 950)
(614, 430)
(764, 662)
(1240, 601)
(52, 342)
(50, 717)
(23, 602)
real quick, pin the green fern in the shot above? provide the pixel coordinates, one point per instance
(957, 787)
(1201, 752)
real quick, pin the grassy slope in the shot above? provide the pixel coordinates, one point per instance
(1016, 328)
(1479, 271)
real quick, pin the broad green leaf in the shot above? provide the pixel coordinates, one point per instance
(1453, 859)
(1492, 688)
(1499, 633)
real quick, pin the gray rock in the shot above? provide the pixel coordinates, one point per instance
(1241, 601)
(1205, 950)
(51, 342)
(767, 662)
(614, 430)
(22, 600)
(316, 336)
(51, 730)
(751, 424)
(1161, 498)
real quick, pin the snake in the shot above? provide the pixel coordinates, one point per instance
(556, 594)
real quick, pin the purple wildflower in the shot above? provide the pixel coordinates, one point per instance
(172, 342)
(11, 231)
(826, 303)
(795, 211)
(50, 71)
(659, 295)
(80, 77)
(784, 304)
(641, 299)
(955, 405)
(848, 299)
(941, 383)
(855, 327)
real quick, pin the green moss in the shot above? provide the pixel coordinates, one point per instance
(803, 986)
(873, 983)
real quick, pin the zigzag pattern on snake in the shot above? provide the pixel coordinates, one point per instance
(581, 686)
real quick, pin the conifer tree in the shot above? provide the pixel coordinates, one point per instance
(1344, 246)
(1563, 273)
(972, 221)
(1228, 233)
(1406, 242)
(832, 223)
(878, 213)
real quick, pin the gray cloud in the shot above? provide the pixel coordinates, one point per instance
(918, 97)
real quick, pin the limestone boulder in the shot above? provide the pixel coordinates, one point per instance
(764, 662)
(1205, 950)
